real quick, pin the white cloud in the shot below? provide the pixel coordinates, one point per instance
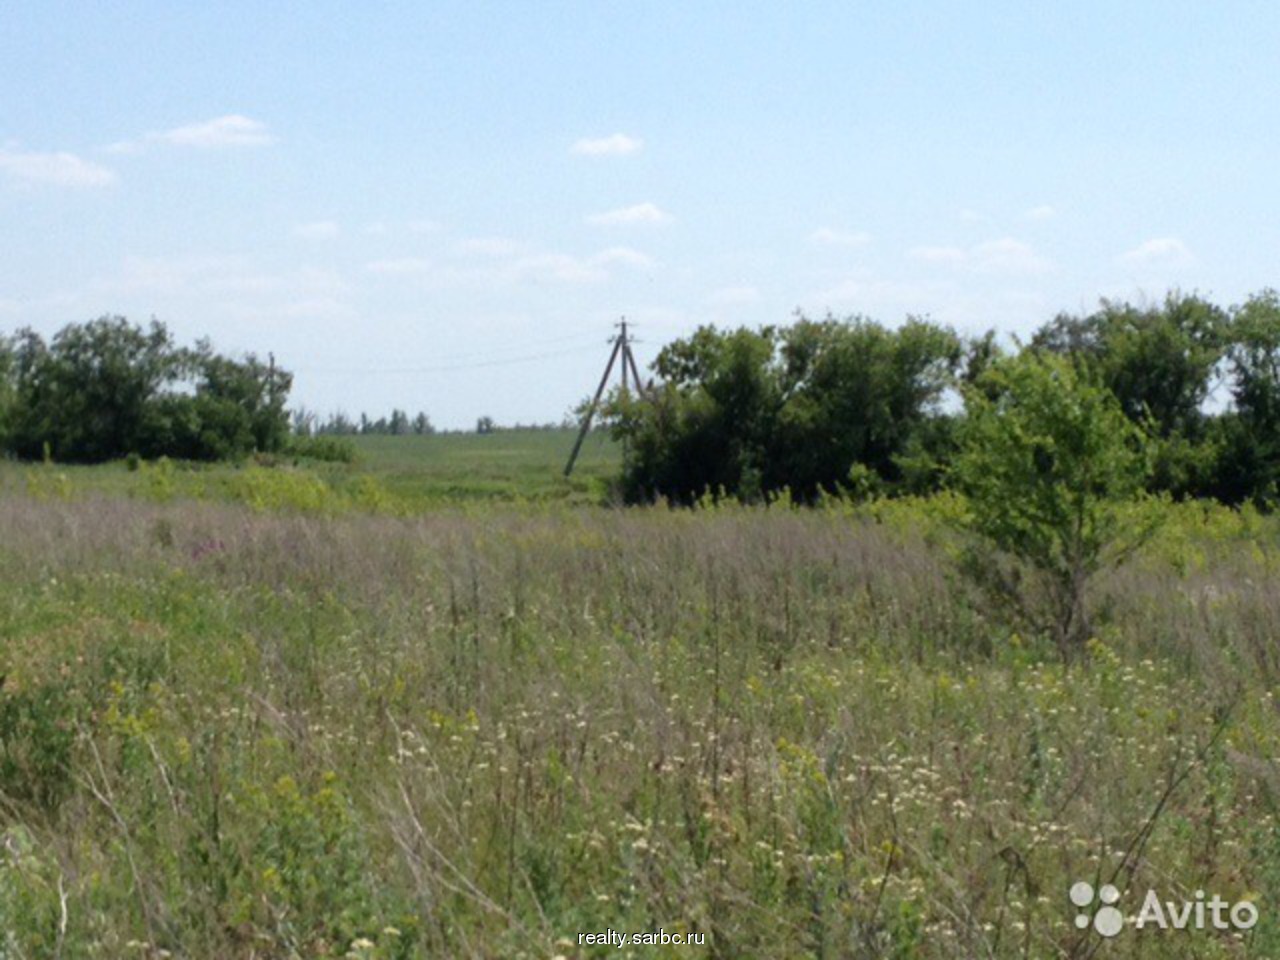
(1042, 212)
(1006, 256)
(840, 238)
(423, 226)
(233, 130)
(320, 230)
(1159, 251)
(617, 145)
(56, 169)
(640, 213)
(734, 296)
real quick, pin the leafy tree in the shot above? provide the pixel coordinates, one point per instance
(1160, 363)
(750, 412)
(709, 425)
(108, 388)
(485, 425)
(1051, 466)
(858, 393)
(422, 425)
(86, 394)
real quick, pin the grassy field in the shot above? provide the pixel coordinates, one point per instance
(509, 464)
(285, 723)
(391, 474)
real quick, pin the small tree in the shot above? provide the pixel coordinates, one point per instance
(1051, 467)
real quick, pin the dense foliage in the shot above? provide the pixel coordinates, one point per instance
(853, 407)
(751, 412)
(108, 389)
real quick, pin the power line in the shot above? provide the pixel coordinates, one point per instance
(446, 367)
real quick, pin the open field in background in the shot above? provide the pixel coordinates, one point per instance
(405, 475)
(505, 465)
(283, 731)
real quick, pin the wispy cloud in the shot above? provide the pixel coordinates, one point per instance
(617, 145)
(1159, 251)
(1041, 212)
(320, 230)
(55, 169)
(1005, 255)
(232, 130)
(829, 236)
(640, 213)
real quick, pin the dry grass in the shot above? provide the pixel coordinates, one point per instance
(230, 733)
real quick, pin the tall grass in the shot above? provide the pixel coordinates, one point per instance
(232, 732)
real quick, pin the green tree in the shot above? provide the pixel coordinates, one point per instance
(857, 392)
(1160, 362)
(108, 388)
(86, 394)
(1051, 467)
(750, 412)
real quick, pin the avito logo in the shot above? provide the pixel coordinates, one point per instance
(1198, 914)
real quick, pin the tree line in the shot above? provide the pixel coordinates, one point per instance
(108, 389)
(853, 407)
(398, 424)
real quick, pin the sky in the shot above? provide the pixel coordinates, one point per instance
(446, 206)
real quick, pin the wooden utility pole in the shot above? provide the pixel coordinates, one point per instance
(621, 353)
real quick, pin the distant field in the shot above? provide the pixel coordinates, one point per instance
(508, 464)
(392, 474)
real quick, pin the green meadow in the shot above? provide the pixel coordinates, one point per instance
(443, 703)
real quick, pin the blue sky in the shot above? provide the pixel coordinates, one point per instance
(445, 206)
